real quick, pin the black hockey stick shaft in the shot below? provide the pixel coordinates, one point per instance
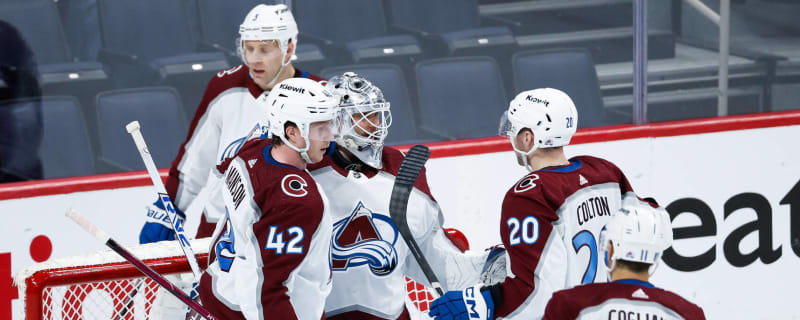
(398, 205)
(150, 273)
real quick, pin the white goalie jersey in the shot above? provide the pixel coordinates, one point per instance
(369, 258)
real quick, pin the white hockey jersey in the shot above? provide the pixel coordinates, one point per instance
(270, 258)
(225, 118)
(369, 257)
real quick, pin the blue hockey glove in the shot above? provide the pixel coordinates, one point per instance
(468, 304)
(157, 226)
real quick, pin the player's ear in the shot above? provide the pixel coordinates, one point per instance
(292, 133)
(527, 138)
(289, 52)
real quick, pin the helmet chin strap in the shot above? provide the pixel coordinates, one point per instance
(524, 154)
(652, 268)
(280, 70)
(303, 152)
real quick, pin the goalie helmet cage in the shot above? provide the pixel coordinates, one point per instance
(102, 285)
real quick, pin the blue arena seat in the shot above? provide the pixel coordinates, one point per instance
(461, 97)
(569, 70)
(158, 110)
(66, 151)
(392, 82)
(362, 40)
(151, 42)
(458, 32)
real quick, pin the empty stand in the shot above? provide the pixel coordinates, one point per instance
(164, 126)
(363, 39)
(150, 42)
(569, 70)
(461, 97)
(66, 151)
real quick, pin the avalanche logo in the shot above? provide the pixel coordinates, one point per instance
(294, 186)
(526, 183)
(258, 130)
(232, 149)
(364, 238)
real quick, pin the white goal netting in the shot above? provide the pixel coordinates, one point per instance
(101, 285)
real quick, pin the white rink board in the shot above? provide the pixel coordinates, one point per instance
(712, 167)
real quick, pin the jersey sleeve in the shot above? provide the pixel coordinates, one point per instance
(198, 154)
(237, 250)
(536, 256)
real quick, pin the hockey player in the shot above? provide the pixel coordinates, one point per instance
(228, 113)
(550, 218)
(369, 259)
(632, 243)
(271, 252)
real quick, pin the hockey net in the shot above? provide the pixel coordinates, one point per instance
(102, 285)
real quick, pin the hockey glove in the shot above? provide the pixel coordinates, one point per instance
(494, 269)
(470, 303)
(157, 226)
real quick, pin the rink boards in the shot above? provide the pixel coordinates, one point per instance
(734, 184)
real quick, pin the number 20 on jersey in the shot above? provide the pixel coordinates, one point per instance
(525, 231)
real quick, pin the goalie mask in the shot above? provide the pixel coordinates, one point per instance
(364, 117)
(306, 104)
(268, 23)
(549, 113)
(638, 233)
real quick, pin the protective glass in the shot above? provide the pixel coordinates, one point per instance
(507, 128)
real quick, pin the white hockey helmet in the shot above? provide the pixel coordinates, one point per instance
(638, 233)
(268, 22)
(549, 113)
(364, 117)
(303, 102)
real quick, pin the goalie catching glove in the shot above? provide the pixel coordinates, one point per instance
(157, 225)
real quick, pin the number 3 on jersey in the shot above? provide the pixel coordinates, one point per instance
(275, 240)
(526, 231)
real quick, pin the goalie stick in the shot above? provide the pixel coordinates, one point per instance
(177, 225)
(410, 169)
(150, 273)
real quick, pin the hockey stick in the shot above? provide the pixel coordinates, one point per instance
(150, 273)
(398, 204)
(177, 225)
